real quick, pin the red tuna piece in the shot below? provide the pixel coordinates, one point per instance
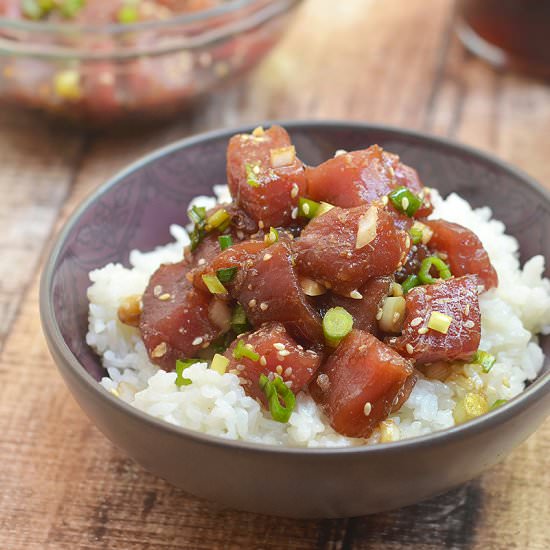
(270, 291)
(175, 321)
(465, 253)
(361, 383)
(457, 300)
(347, 247)
(362, 310)
(279, 354)
(264, 175)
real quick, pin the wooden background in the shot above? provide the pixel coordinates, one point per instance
(62, 484)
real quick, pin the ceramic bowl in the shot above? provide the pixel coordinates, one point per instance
(134, 210)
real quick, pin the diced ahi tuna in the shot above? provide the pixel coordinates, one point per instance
(452, 307)
(175, 321)
(465, 253)
(361, 383)
(265, 176)
(279, 354)
(270, 291)
(362, 310)
(347, 247)
(362, 177)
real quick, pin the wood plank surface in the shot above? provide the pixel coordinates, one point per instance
(62, 484)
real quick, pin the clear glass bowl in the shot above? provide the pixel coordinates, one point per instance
(100, 75)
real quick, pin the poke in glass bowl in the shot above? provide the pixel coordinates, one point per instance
(99, 62)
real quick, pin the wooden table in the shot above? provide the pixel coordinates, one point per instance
(62, 484)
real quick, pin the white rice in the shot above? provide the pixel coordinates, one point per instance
(216, 404)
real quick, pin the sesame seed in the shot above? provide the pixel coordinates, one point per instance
(288, 383)
(355, 294)
(385, 200)
(379, 314)
(242, 380)
(409, 349)
(249, 346)
(256, 169)
(294, 213)
(284, 353)
(202, 261)
(157, 291)
(393, 340)
(300, 347)
(363, 347)
(469, 324)
(305, 208)
(294, 191)
(367, 408)
(340, 152)
(267, 257)
(197, 341)
(252, 303)
(264, 306)
(160, 350)
(271, 376)
(261, 224)
(165, 297)
(263, 361)
(416, 321)
(240, 367)
(422, 330)
(279, 369)
(288, 371)
(408, 242)
(240, 235)
(278, 346)
(323, 381)
(405, 203)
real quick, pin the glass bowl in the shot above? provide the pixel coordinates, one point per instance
(100, 75)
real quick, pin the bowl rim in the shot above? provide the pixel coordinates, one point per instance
(66, 359)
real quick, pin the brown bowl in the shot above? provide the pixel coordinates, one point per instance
(134, 210)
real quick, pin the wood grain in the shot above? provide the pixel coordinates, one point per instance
(63, 485)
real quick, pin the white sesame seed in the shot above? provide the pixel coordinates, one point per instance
(323, 381)
(288, 371)
(416, 321)
(278, 346)
(261, 224)
(197, 341)
(267, 257)
(165, 297)
(159, 350)
(356, 295)
(294, 191)
(393, 340)
(202, 261)
(256, 169)
(379, 314)
(263, 361)
(294, 213)
(408, 242)
(157, 291)
(409, 349)
(367, 408)
(264, 306)
(305, 208)
(405, 203)
(340, 152)
(469, 324)
(252, 303)
(284, 353)
(288, 383)
(279, 369)
(249, 346)
(422, 330)
(240, 367)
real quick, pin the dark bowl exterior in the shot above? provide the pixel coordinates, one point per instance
(135, 209)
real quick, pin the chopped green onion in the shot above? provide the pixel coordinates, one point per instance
(219, 363)
(272, 237)
(69, 8)
(222, 342)
(307, 208)
(439, 322)
(486, 360)
(426, 265)
(405, 201)
(239, 322)
(498, 403)
(127, 14)
(181, 365)
(337, 324)
(218, 218)
(32, 9)
(225, 241)
(245, 350)
(197, 214)
(213, 284)
(251, 175)
(324, 207)
(276, 392)
(226, 274)
(409, 283)
(416, 235)
(67, 85)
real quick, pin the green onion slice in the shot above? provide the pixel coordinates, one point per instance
(213, 284)
(197, 214)
(405, 201)
(219, 363)
(69, 8)
(216, 220)
(181, 365)
(225, 241)
(227, 274)
(307, 208)
(127, 14)
(251, 176)
(277, 391)
(272, 237)
(426, 265)
(416, 235)
(337, 324)
(243, 350)
(409, 283)
(498, 403)
(239, 322)
(486, 360)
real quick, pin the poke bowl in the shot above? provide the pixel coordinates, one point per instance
(419, 424)
(99, 63)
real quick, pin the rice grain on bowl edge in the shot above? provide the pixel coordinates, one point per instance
(217, 405)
